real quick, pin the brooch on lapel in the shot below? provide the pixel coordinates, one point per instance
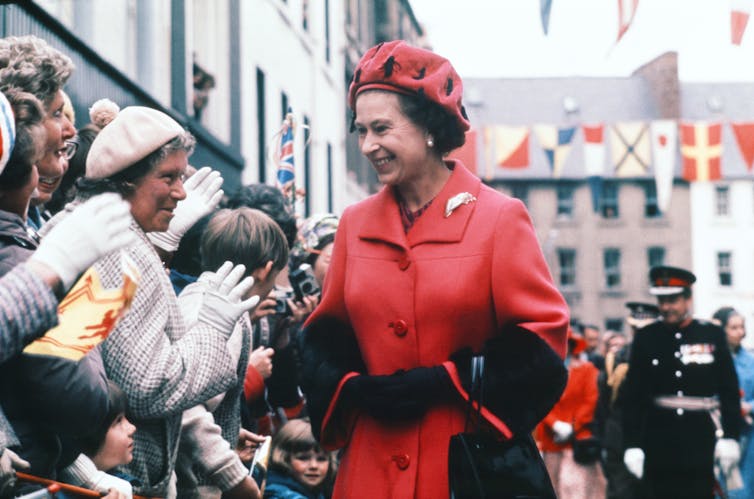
(456, 201)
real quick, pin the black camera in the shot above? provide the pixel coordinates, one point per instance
(303, 281)
(281, 303)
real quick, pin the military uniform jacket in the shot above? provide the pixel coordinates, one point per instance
(692, 360)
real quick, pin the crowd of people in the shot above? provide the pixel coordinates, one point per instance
(349, 340)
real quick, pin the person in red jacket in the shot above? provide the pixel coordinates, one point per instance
(432, 269)
(570, 421)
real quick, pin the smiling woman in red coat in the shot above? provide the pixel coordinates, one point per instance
(430, 270)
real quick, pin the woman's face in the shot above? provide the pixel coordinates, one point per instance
(735, 331)
(310, 467)
(118, 446)
(158, 192)
(322, 263)
(53, 164)
(395, 146)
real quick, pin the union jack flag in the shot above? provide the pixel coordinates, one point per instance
(286, 171)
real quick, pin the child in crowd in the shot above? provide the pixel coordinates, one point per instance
(104, 449)
(210, 431)
(299, 467)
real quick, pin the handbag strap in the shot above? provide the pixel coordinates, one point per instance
(475, 391)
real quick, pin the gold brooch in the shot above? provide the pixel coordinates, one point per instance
(456, 201)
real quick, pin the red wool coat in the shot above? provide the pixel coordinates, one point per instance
(576, 406)
(413, 300)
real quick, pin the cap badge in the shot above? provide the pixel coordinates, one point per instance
(456, 201)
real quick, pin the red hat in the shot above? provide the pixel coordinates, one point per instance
(399, 67)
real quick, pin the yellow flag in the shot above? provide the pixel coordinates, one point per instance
(87, 314)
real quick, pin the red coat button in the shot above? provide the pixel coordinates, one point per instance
(401, 461)
(400, 328)
(403, 262)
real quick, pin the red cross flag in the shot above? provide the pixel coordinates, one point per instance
(701, 149)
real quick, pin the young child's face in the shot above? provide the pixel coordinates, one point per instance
(119, 444)
(310, 467)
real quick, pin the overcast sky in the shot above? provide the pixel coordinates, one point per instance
(504, 38)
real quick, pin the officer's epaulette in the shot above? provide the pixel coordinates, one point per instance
(705, 322)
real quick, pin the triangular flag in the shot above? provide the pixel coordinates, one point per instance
(511, 146)
(739, 17)
(629, 145)
(556, 143)
(664, 135)
(594, 160)
(626, 13)
(701, 149)
(544, 10)
(744, 132)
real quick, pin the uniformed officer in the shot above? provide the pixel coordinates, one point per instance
(680, 399)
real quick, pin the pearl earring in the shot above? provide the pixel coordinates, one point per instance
(430, 142)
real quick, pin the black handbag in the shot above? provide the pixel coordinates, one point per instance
(480, 466)
(586, 450)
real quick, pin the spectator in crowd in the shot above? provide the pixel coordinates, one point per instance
(100, 114)
(163, 367)
(424, 275)
(735, 330)
(299, 467)
(211, 430)
(32, 65)
(593, 338)
(275, 322)
(314, 244)
(18, 178)
(570, 423)
(104, 448)
(680, 373)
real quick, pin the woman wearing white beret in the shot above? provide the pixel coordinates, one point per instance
(162, 367)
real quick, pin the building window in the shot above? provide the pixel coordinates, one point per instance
(614, 324)
(722, 200)
(565, 201)
(609, 200)
(261, 127)
(520, 191)
(725, 268)
(283, 105)
(567, 265)
(611, 259)
(651, 208)
(655, 256)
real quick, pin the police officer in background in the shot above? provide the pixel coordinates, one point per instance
(681, 407)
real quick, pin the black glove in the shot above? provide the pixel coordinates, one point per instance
(399, 396)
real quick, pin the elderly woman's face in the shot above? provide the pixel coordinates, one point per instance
(158, 192)
(395, 146)
(53, 165)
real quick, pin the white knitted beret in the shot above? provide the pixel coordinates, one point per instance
(134, 134)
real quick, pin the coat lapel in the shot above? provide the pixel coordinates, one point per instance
(383, 220)
(433, 226)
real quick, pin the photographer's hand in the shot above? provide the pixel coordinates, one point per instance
(265, 307)
(301, 310)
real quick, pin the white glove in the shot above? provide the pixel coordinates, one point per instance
(9, 463)
(103, 482)
(202, 196)
(728, 454)
(92, 230)
(633, 458)
(562, 431)
(223, 301)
